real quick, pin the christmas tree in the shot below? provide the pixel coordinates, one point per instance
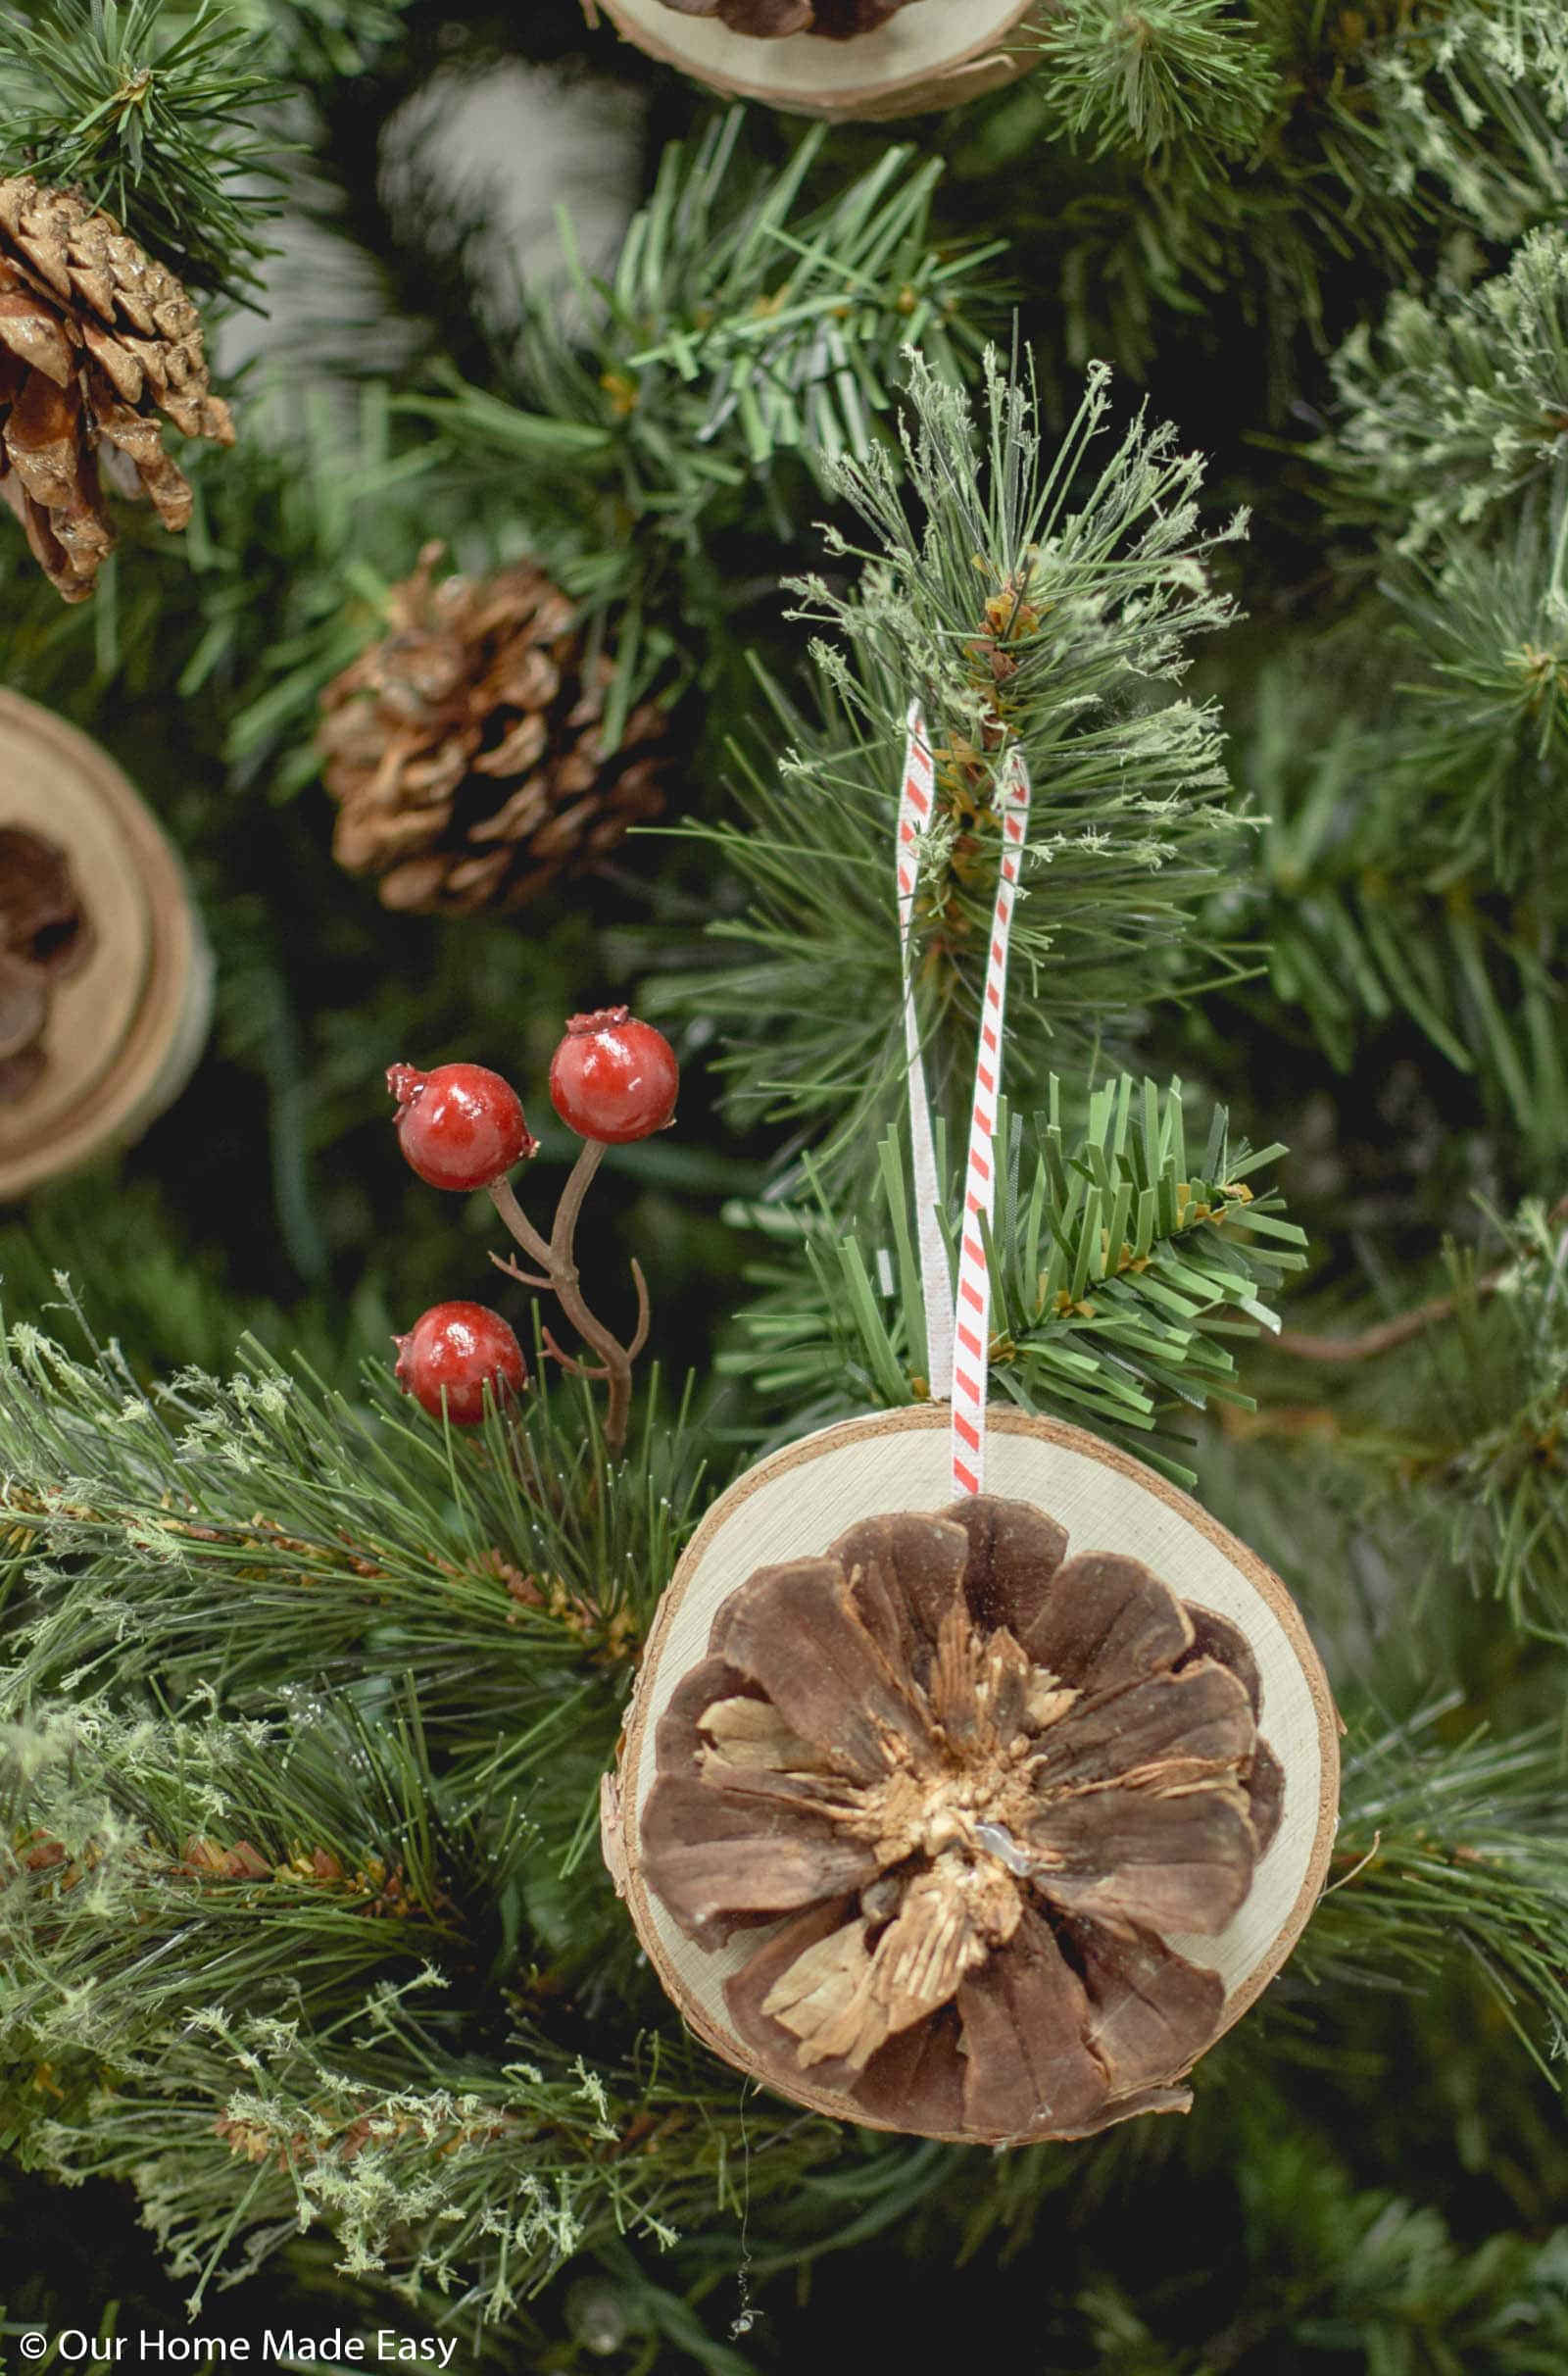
(509, 616)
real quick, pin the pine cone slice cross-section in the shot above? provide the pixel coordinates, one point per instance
(98, 345)
(466, 750)
(967, 1788)
(774, 19)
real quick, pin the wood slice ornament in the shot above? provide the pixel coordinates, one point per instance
(124, 1030)
(1049, 1776)
(976, 1780)
(932, 54)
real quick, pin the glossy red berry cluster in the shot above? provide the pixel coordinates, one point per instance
(461, 1127)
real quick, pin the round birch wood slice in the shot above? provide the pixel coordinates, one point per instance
(933, 54)
(126, 1030)
(798, 1501)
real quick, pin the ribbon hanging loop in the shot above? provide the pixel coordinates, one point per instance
(959, 1328)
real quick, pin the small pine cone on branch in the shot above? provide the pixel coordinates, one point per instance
(96, 342)
(466, 748)
(773, 20)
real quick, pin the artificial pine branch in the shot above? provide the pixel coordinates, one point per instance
(1375, 902)
(1324, 2268)
(1492, 1413)
(153, 113)
(1448, 1851)
(1120, 1264)
(1187, 74)
(739, 329)
(1383, 132)
(1463, 1434)
(1489, 698)
(337, 1545)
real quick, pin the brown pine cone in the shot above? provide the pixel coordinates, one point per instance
(96, 340)
(466, 748)
(980, 1784)
(771, 20)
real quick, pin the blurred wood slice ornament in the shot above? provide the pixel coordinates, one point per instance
(126, 1025)
(977, 1819)
(931, 54)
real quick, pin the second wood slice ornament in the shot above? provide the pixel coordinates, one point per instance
(923, 54)
(123, 1026)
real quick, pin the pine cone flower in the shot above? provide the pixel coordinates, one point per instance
(466, 750)
(981, 1784)
(96, 341)
(773, 20)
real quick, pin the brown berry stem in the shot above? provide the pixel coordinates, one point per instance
(558, 1262)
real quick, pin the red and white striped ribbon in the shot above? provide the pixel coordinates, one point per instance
(958, 1338)
(915, 802)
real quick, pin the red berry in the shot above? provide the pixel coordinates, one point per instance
(460, 1126)
(614, 1078)
(462, 1347)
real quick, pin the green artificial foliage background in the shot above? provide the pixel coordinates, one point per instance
(1224, 356)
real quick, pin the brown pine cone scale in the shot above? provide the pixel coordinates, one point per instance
(466, 748)
(97, 342)
(974, 1789)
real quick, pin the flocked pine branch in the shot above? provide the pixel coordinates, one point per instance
(239, 1964)
(508, 1585)
(1435, 77)
(158, 114)
(1454, 404)
(1487, 622)
(248, 1892)
(1038, 603)
(1380, 130)
(1122, 1260)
